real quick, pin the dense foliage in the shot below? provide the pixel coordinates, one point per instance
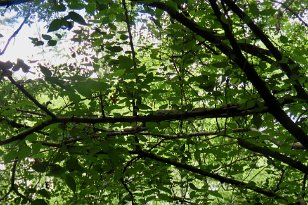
(158, 102)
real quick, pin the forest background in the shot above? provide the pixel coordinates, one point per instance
(155, 102)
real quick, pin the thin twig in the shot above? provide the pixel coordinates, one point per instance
(28, 95)
(14, 34)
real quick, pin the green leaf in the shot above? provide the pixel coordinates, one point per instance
(39, 166)
(192, 186)
(10, 156)
(76, 18)
(44, 193)
(283, 39)
(125, 62)
(45, 71)
(56, 24)
(46, 37)
(70, 182)
(52, 43)
(59, 7)
(56, 170)
(36, 147)
(115, 49)
(39, 202)
(216, 194)
(73, 165)
(257, 120)
(253, 8)
(23, 152)
(36, 41)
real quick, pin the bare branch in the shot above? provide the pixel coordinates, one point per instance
(14, 34)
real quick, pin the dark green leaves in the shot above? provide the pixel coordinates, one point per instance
(39, 166)
(76, 18)
(66, 22)
(47, 73)
(39, 202)
(70, 182)
(57, 24)
(36, 41)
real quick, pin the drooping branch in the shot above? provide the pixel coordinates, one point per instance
(28, 95)
(14, 34)
(206, 173)
(270, 153)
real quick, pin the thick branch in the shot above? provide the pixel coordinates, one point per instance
(275, 52)
(273, 104)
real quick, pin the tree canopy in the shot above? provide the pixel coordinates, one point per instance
(157, 102)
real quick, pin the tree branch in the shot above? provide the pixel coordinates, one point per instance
(270, 153)
(28, 95)
(275, 52)
(14, 34)
(274, 106)
(205, 173)
(287, 7)
(22, 135)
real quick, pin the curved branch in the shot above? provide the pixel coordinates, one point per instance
(270, 153)
(14, 34)
(28, 95)
(205, 173)
(22, 135)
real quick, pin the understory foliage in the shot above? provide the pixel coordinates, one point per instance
(157, 102)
